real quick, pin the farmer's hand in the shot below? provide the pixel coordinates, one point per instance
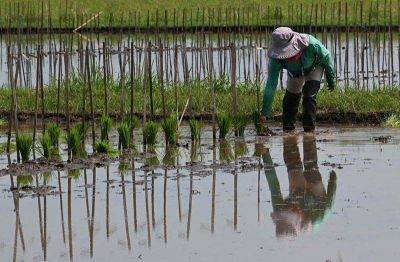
(331, 88)
(263, 119)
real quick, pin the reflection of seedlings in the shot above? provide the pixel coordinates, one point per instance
(171, 154)
(24, 181)
(123, 166)
(194, 152)
(239, 124)
(46, 177)
(240, 148)
(392, 121)
(105, 127)
(195, 129)
(224, 124)
(152, 160)
(3, 147)
(124, 132)
(225, 151)
(74, 173)
(170, 128)
(54, 131)
(150, 131)
(24, 144)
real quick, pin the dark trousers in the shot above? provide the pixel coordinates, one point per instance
(291, 103)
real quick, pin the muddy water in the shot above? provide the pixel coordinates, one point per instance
(332, 197)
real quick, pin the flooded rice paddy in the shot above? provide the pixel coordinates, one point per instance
(328, 197)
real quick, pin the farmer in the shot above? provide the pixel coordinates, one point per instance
(305, 59)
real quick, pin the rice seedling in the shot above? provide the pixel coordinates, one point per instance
(124, 132)
(150, 131)
(151, 158)
(224, 124)
(239, 124)
(24, 144)
(46, 176)
(46, 144)
(82, 130)
(195, 129)
(3, 147)
(105, 127)
(392, 121)
(103, 147)
(54, 131)
(75, 141)
(170, 127)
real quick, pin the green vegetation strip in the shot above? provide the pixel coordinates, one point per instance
(339, 103)
(73, 13)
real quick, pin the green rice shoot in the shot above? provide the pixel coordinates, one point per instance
(224, 124)
(105, 127)
(392, 121)
(150, 131)
(239, 124)
(54, 131)
(195, 129)
(170, 128)
(24, 144)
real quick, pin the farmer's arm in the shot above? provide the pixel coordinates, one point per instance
(326, 60)
(270, 88)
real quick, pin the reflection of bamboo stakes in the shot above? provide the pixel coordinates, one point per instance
(258, 188)
(135, 222)
(147, 210)
(61, 206)
(16, 230)
(108, 202)
(189, 218)
(214, 178)
(44, 224)
(40, 215)
(128, 238)
(153, 216)
(235, 196)
(93, 211)
(165, 205)
(70, 245)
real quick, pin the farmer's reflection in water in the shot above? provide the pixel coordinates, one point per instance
(308, 203)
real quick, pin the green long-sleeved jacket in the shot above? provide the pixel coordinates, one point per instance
(314, 55)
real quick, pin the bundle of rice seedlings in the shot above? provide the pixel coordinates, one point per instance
(392, 121)
(54, 131)
(224, 124)
(150, 131)
(195, 129)
(24, 144)
(82, 130)
(75, 141)
(74, 173)
(124, 132)
(170, 127)
(103, 147)
(260, 128)
(105, 127)
(46, 144)
(239, 124)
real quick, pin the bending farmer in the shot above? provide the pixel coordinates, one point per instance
(305, 59)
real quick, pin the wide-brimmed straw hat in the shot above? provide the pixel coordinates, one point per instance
(287, 43)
